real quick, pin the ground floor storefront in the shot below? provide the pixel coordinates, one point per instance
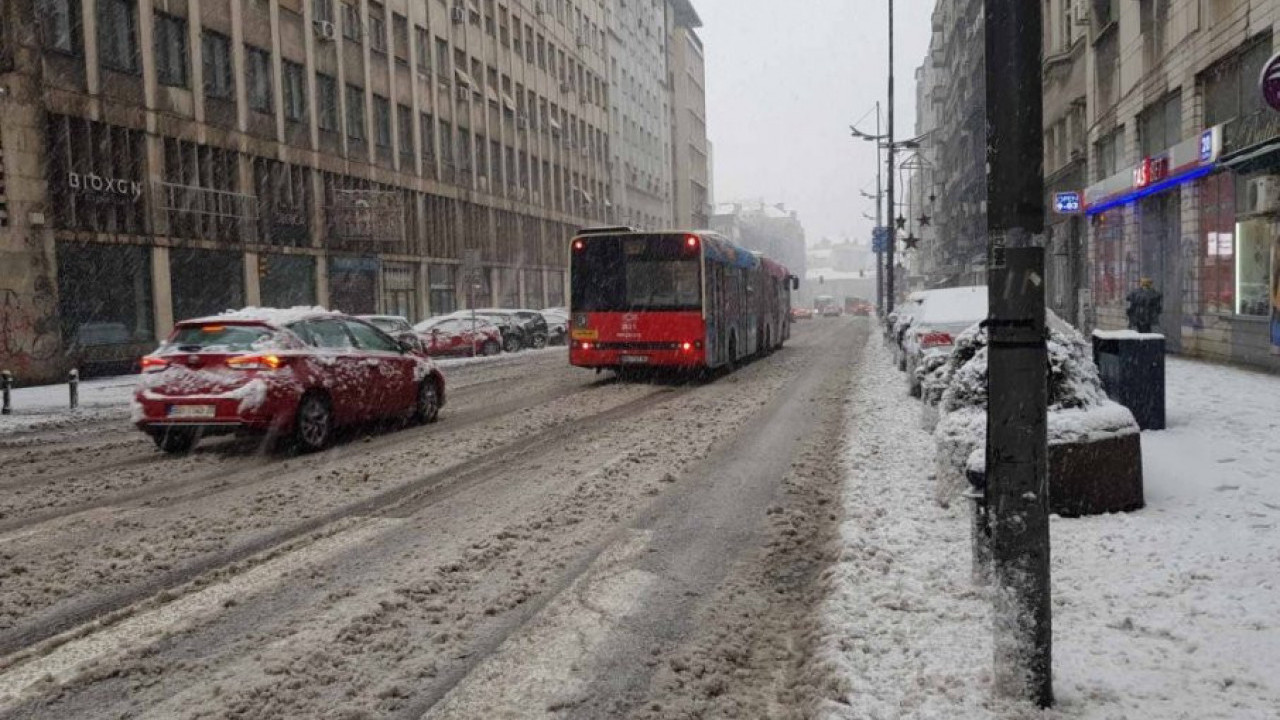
(1202, 222)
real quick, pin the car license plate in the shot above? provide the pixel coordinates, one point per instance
(192, 411)
(634, 359)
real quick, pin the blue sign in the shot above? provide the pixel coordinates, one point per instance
(880, 239)
(1066, 203)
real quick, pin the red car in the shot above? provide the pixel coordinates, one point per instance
(296, 374)
(801, 313)
(459, 336)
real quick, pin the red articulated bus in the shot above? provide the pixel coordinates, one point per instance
(691, 300)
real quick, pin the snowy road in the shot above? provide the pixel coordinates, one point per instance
(559, 545)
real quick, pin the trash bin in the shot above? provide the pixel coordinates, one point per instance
(1131, 365)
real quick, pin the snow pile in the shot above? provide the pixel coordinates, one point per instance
(1126, 335)
(952, 306)
(1079, 410)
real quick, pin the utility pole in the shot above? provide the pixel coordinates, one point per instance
(893, 234)
(1017, 487)
(879, 221)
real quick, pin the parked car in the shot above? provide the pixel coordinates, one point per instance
(452, 335)
(397, 326)
(297, 374)
(557, 326)
(514, 336)
(801, 313)
(528, 325)
(942, 315)
(899, 320)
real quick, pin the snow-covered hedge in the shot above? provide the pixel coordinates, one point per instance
(1079, 410)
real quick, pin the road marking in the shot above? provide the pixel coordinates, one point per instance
(67, 660)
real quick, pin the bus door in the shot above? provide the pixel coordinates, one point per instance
(714, 311)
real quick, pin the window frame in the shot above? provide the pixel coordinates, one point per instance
(328, 114)
(107, 51)
(259, 60)
(290, 70)
(209, 40)
(165, 74)
(50, 12)
(356, 124)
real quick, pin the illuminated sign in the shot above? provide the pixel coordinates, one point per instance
(1066, 203)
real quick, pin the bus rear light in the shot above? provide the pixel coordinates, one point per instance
(691, 241)
(584, 346)
(686, 346)
(935, 339)
(578, 245)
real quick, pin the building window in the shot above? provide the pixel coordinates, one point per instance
(355, 113)
(171, 50)
(444, 293)
(400, 37)
(295, 91)
(442, 57)
(216, 49)
(322, 10)
(352, 28)
(104, 294)
(427, 129)
(118, 35)
(259, 62)
(60, 24)
(377, 27)
(422, 45)
(327, 102)
(96, 176)
(1230, 87)
(382, 121)
(1160, 125)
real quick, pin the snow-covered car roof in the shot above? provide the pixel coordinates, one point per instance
(431, 322)
(278, 317)
(393, 318)
(953, 306)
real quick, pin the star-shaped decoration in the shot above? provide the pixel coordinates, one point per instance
(924, 220)
(911, 241)
(902, 222)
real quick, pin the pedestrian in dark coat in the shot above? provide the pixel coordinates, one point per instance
(1145, 306)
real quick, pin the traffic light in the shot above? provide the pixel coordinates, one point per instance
(262, 266)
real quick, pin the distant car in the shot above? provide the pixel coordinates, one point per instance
(861, 309)
(832, 311)
(801, 313)
(514, 336)
(296, 374)
(452, 335)
(528, 325)
(942, 315)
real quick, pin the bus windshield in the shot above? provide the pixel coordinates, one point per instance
(623, 274)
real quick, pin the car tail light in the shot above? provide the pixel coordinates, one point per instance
(151, 364)
(256, 362)
(935, 339)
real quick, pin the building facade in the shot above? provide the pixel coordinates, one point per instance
(948, 182)
(1184, 172)
(765, 228)
(639, 112)
(171, 158)
(690, 156)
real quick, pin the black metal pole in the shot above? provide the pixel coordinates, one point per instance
(1017, 488)
(879, 220)
(6, 385)
(73, 385)
(893, 235)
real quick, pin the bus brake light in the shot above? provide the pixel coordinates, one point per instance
(578, 245)
(686, 346)
(691, 241)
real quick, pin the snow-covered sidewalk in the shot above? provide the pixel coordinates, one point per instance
(1169, 612)
(49, 406)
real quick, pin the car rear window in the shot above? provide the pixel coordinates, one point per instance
(225, 338)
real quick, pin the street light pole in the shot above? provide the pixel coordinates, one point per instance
(888, 264)
(879, 221)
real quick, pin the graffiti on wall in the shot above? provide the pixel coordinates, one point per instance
(28, 335)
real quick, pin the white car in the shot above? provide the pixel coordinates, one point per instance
(940, 317)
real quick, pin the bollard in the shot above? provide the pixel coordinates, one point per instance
(73, 383)
(6, 384)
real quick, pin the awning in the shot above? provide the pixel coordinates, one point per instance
(463, 78)
(1258, 157)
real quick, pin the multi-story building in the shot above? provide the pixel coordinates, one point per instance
(639, 114)
(1066, 146)
(1184, 171)
(690, 156)
(172, 158)
(950, 177)
(769, 229)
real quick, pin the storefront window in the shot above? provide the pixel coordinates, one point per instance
(555, 289)
(104, 294)
(353, 285)
(288, 281)
(1253, 266)
(1218, 226)
(533, 289)
(508, 287)
(399, 295)
(205, 282)
(444, 294)
(96, 176)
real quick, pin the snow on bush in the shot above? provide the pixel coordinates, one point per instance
(1079, 410)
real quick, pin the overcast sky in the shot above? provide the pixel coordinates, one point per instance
(785, 80)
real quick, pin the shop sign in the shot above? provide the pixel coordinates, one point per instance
(1269, 83)
(1066, 203)
(92, 182)
(1151, 171)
